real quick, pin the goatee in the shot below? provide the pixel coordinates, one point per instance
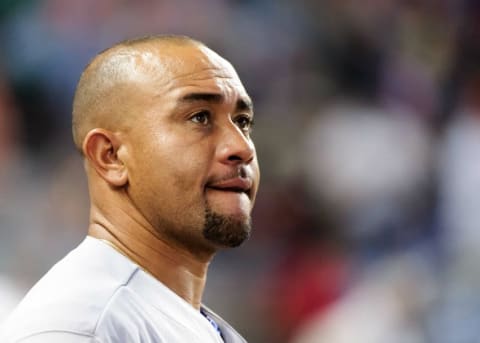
(226, 231)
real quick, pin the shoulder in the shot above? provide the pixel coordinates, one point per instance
(73, 296)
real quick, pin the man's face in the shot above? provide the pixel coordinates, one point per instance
(192, 166)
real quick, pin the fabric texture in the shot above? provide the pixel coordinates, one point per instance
(97, 295)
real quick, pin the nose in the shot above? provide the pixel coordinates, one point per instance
(235, 147)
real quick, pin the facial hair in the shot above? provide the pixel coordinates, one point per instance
(226, 231)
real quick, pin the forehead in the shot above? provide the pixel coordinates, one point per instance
(187, 68)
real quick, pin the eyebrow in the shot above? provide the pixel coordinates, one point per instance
(243, 104)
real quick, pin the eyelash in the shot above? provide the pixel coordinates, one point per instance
(204, 113)
(206, 118)
(248, 124)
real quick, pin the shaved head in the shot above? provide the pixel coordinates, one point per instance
(102, 95)
(164, 125)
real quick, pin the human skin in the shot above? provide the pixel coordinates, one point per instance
(172, 144)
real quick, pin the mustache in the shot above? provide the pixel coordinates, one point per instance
(241, 172)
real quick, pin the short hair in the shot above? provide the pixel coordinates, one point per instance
(105, 72)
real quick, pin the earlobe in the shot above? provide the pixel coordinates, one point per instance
(101, 147)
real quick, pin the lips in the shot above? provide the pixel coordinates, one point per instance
(236, 184)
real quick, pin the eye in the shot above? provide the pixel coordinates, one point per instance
(202, 118)
(244, 122)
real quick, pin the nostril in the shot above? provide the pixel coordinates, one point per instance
(234, 158)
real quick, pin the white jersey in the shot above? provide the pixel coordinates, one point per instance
(97, 295)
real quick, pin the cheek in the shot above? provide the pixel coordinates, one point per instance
(169, 168)
(169, 195)
(173, 173)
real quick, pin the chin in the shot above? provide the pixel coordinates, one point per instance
(226, 230)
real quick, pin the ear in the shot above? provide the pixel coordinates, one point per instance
(101, 147)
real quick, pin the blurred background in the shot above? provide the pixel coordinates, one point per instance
(366, 227)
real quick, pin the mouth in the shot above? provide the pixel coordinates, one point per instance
(235, 185)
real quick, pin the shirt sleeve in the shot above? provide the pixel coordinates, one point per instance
(59, 337)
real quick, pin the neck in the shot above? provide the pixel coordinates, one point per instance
(179, 270)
